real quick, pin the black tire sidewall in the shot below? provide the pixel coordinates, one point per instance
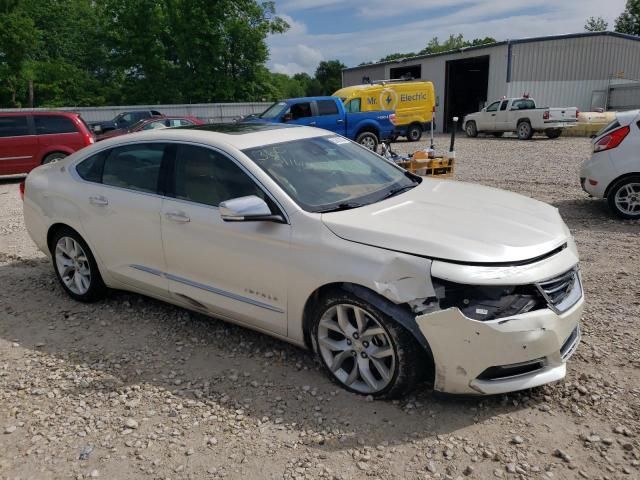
(611, 197)
(530, 134)
(97, 288)
(474, 129)
(363, 135)
(52, 157)
(402, 381)
(418, 134)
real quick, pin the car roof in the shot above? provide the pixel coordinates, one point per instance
(39, 112)
(235, 135)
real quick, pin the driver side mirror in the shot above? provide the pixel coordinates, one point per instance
(484, 109)
(247, 209)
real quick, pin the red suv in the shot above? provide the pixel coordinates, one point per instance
(29, 139)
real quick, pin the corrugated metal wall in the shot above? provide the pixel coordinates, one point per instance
(354, 77)
(624, 97)
(210, 112)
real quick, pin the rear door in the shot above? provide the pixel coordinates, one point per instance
(233, 269)
(121, 212)
(328, 116)
(18, 145)
(57, 133)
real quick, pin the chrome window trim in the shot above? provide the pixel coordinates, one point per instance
(72, 170)
(207, 288)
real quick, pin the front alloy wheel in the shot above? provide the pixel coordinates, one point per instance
(356, 348)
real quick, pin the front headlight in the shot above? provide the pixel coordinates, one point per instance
(483, 303)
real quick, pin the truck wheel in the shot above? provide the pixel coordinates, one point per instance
(414, 133)
(525, 132)
(624, 198)
(553, 132)
(471, 129)
(369, 140)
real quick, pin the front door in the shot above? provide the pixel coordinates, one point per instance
(502, 117)
(121, 213)
(233, 269)
(18, 145)
(487, 121)
(301, 113)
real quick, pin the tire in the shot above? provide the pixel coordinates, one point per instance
(624, 198)
(471, 129)
(525, 132)
(69, 250)
(414, 132)
(53, 157)
(368, 139)
(498, 134)
(389, 376)
(553, 132)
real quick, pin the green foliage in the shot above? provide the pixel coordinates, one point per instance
(629, 20)
(329, 76)
(87, 52)
(454, 42)
(596, 24)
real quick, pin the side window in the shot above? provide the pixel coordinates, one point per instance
(136, 167)
(90, 169)
(155, 125)
(51, 124)
(327, 107)
(353, 106)
(205, 176)
(493, 107)
(184, 123)
(14, 126)
(503, 105)
(300, 110)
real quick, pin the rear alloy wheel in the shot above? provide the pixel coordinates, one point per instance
(624, 198)
(369, 140)
(525, 132)
(53, 157)
(471, 129)
(76, 267)
(414, 133)
(363, 349)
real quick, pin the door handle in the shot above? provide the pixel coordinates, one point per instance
(312, 124)
(179, 217)
(98, 200)
(339, 121)
(493, 114)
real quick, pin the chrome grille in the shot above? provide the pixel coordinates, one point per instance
(562, 292)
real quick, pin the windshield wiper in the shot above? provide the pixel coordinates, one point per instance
(397, 191)
(340, 207)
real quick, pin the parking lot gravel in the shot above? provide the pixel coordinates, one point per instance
(130, 388)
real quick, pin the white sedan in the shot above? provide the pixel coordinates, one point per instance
(613, 171)
(307, 236)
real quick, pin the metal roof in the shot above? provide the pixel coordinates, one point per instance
(504, 42)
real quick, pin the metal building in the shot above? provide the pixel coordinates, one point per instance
(583, 70)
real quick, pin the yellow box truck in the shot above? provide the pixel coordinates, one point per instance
(413, 101)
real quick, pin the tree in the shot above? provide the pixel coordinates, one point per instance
(329, 76)
(629, 20)
(596, 24)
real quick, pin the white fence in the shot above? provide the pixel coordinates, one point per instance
(209, 112)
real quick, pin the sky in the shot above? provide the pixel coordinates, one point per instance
(354, 31)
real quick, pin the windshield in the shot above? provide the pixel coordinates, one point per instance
(274, 110)
(330, 173)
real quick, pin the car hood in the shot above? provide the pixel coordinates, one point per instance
(455, 221)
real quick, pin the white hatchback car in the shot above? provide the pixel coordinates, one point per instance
(311, 238)
(613, 171)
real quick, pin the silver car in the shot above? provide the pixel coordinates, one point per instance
(304, 235)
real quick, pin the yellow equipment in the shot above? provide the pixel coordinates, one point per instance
(413, 102)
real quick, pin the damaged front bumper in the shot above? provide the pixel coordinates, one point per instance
(499, 356)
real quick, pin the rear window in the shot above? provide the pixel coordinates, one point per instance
(524, 104)
(327, 107)
(52, 124)
(135, 167)
(14, 126)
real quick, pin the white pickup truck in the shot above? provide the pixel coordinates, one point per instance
(520, 115)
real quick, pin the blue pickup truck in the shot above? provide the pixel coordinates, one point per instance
(366, 128)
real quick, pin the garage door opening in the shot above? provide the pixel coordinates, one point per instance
(466, 86)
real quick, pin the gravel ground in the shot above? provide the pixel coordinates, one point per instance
(132, 388)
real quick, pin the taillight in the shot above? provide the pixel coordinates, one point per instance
(545, 115)
(392, 118)
(577, 112)
(22, 185)
(611, 139)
